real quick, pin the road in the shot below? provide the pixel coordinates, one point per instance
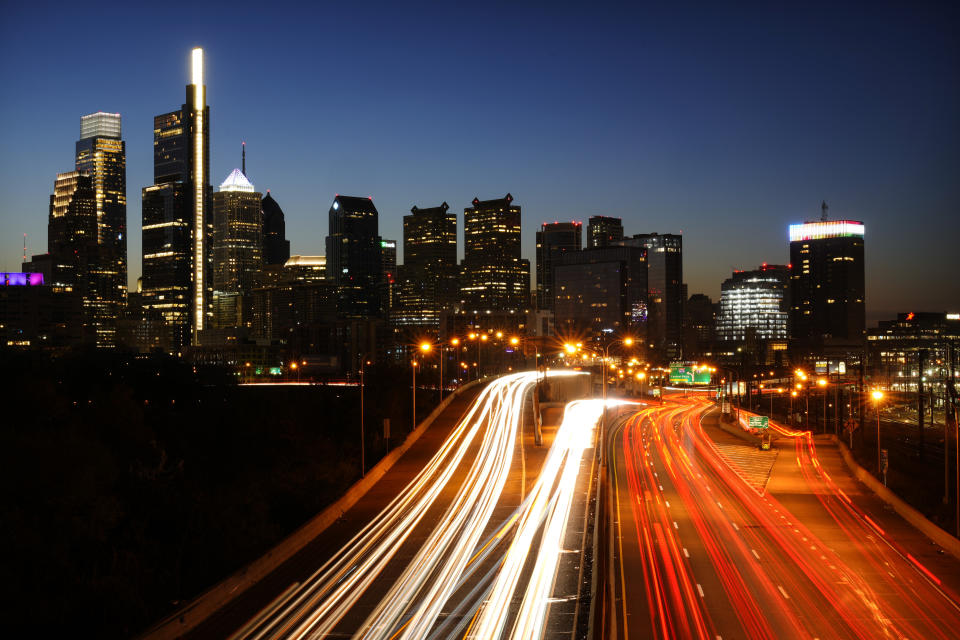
(472, 546)
(719, 540)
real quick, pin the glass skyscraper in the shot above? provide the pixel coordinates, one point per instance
(101, 154)
(753, 305)
(177, 225)
(354, 258)
(553, 240)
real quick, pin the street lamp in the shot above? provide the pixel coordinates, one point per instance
(293, 367)
(426, 347)
(413, 369)
(363, 439)
(877, 397)
(822, 383)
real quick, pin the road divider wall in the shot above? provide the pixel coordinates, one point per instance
(202, 607)
(946, 541)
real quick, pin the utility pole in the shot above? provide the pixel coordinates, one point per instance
(922, 362)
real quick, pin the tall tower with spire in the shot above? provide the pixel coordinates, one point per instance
(237, 247)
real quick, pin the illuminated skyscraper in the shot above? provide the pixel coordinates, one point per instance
(72, 246)
(553, 240)
(604, 231)
(101, 154)
(665, 291)
(429, 280)
(753, 305)
(493, 276)
(827, 283)
(237, 244)
(276, 247)
(177, 256)
(354, 259)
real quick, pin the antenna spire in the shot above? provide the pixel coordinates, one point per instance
(823, 210)
(243, 158)
(24, 247)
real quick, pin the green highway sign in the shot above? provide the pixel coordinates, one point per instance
(758, 422)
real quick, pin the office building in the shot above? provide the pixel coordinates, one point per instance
(553, 240)
(827, 284)
(699, 326)
(754, 305)
(493, 275)
(665, 291)
(177, 220)
(917, 350)
(237, 247)
(600, 291)
(74, 254)
(429, 274)
(603, 231)
(101, 154)
(354, 256)
(276, 247)
(37, 315)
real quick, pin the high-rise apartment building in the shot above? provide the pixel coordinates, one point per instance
(101, 154)
(827, 283)
(354, 256)
(754, 305)
(177, 220)
(553, 240)
(603, 231)
(429, 275)
(276, 247)
(665, 291)
(493, 276)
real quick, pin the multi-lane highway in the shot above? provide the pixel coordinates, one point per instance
(699, 547)
(463, 550)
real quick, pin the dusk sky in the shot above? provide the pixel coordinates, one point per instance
(723, 124)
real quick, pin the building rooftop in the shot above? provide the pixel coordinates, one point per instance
(236, 181)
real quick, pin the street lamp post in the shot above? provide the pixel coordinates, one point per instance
(822, 383)
(877, 397)
(413, 368)
(363, 439)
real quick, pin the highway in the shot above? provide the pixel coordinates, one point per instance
(701, 546)
(468, 548)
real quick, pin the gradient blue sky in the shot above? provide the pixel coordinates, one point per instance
(723, 124)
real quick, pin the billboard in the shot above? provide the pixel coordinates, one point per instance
(687, 373)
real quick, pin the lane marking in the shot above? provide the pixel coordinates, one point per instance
(685, 552)
(700, 589)
(675, 525)
(755, 555)
(735, 527)
(783, 592)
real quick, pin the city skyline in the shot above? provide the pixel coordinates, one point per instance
(730, 176)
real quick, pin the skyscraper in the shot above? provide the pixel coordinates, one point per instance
(493, 276)
(237, 242)
(276, 247)
(665, 290)
(553, 240)
(827, 283)
(177, 223)
(72, 247)
(354, 259)
(101, 154)
(601, 290)
(429, 275)
(603, 231)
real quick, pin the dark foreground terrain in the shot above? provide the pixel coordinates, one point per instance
(131, 485)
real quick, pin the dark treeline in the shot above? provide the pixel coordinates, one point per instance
(131, 485)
